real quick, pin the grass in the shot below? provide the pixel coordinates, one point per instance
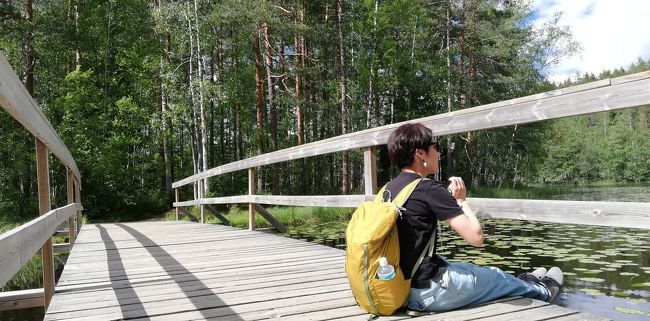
(289, 216)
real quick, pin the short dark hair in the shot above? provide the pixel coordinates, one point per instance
(407, 138)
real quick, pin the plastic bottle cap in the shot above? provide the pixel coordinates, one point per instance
(383, 261)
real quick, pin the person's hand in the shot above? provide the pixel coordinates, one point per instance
(457, 188)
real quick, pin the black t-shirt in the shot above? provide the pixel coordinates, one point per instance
(429, 203)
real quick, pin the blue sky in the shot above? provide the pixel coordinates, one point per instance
(613, 33)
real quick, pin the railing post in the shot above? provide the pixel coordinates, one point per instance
(251, 206)
(176, 197)
(44, 206)
(70, 191)
(77, 191)
(201, 196)
(370, 170)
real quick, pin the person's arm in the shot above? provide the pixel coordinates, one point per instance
(467, 226)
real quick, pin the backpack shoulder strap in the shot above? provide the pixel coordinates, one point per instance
(405, 193)
(380, 195)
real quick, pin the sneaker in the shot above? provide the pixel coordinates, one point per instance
(533, 277)
(553, 283)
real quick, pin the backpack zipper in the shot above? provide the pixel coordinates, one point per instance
(365, 278)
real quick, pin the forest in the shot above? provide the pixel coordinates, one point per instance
(145, 93)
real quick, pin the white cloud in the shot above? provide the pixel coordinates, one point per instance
(613, 34)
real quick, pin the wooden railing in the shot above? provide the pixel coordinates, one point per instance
(599, 96)
(19, 245)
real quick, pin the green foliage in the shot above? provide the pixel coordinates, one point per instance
(128, 110)
(289, 216)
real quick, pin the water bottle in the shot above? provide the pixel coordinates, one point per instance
(385, 271)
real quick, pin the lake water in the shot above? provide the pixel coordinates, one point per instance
(607, 270)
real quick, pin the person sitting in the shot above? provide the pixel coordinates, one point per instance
(439, 285)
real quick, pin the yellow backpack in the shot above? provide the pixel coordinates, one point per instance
(371, 234)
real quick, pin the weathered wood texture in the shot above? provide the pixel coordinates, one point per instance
(17, 101)
(44, 207)
(17, 246)
(187, 271)
(598, 96)
(618, 214)
(24, 299)
(370, 170)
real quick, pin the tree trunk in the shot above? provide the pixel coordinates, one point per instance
(299, 44)
(200, 64)
(273, 121)
(259, 103)
(342, 83)
(30, 62)
(77, 50)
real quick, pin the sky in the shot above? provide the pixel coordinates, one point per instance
(613, 33)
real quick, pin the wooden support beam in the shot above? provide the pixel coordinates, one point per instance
(188, 213)
(216, 214)
(15, 300)
(370, 170)
(266, 215)
(70, 192)
(251, 206)
(201, 196)
(44, 206)
(177, 199)
(78, 201)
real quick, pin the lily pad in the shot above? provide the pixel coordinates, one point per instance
(592, 292)
(631, 311)
(592, 280)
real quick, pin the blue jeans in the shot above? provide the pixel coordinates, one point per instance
(468, 284)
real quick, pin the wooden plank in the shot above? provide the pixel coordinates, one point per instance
(617, 214)
(251, 205)
(23, 299)
(70, 194)
(578, 100)
(239, 275)
(632, 77)
(44, 206)
(202, 195)
(267, 216)
(79, 208)
(216, 214)
(17, 101)
(177, 199)
(289, 200)
(370, 170)
(540, 313)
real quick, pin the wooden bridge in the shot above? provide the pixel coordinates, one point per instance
(185, 271)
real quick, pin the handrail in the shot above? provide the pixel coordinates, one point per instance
(17, 246)
(15, 99)
(599, 96)
(20, 244)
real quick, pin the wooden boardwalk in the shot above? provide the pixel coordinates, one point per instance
(190, 271)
